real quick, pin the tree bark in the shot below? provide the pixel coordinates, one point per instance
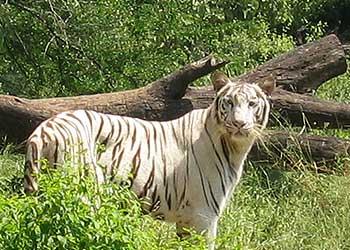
(160, 100)
(304, 110)
(305, 68)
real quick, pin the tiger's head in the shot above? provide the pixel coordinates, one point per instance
(242, 109)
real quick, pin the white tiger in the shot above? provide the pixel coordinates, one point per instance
(186, 168)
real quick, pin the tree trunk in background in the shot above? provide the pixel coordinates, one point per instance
(305, 68)
(160, 100)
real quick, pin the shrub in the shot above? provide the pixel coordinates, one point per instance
(57, 218)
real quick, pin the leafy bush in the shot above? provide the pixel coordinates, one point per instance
(11, 169)
(57, 218)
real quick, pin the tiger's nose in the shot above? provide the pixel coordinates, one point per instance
(239, 123)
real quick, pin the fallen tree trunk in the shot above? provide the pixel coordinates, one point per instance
(293, 151)
(161, 100)
(309, 111)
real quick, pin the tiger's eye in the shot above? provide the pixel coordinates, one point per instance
(229, 102)
(251, 104)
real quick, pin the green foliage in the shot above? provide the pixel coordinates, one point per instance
(55, 48)
(11, 169)
(64, 216)
(60, 48)
(287, 16)
(336, 89)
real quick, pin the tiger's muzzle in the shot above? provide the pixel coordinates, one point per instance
(239, 129)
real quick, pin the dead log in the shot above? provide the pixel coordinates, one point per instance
(293, 151)
(304, 110)
(161, 100)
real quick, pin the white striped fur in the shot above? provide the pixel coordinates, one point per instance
(185, 168)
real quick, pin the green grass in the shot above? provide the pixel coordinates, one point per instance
(336, 89)
(271, 209)
(288, 210)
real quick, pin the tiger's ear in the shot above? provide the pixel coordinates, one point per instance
(268, 85)
(219, 80)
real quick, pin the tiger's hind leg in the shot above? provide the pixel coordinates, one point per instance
(30, 180)
(41, 151)
(32, 168)
(36, 159)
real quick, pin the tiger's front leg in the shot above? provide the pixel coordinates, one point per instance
(208, 227)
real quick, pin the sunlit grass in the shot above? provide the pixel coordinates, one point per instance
(288, 210)
(336, 89)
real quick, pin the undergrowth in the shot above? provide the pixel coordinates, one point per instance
(65, 215)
